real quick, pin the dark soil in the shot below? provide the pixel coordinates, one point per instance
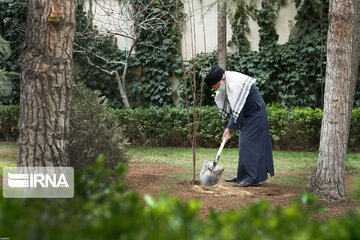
(154, 178)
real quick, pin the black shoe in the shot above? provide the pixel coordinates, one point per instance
(244, 184)
(233, 179)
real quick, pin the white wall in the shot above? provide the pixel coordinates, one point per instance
(111, 16)
(286, 14)
(210, 22)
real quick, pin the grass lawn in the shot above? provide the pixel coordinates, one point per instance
(290, 167)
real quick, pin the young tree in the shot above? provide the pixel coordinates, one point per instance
(343, 56)
(221, 29)
(46, 79)
(196, 105)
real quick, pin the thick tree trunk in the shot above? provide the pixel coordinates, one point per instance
(46, 79)
(343, 55)
(221, 29)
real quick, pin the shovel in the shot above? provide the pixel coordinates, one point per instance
(211, 172)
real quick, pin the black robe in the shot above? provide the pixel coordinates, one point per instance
(255, 152)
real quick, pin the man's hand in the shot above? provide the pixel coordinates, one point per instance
(226, 134)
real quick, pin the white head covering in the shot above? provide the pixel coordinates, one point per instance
(237, 89)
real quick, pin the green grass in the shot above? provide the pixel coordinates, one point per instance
(290, 167)
(294, 165)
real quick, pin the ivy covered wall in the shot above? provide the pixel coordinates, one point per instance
(290, 74)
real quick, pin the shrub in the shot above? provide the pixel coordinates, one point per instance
(93, 130)
(9, 116)
(278, 123)
(296, 129)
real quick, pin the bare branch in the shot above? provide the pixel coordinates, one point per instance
(86, 51)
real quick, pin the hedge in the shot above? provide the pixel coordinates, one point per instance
(296, 129)
(102, 209)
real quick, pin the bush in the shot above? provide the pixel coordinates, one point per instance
(101, 209)
(9, 116)
(169, 126)
(296, 129)
(93, 130)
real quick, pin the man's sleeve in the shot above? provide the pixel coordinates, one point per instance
(235, 126)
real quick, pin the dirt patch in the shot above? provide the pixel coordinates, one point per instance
(154, 178)
(149, 178)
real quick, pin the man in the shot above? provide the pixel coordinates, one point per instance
(248, 114)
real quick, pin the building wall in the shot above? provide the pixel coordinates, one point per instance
(111, 16)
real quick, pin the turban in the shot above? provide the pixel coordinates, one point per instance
(214, 76)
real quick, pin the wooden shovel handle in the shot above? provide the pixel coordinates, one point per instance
(220, 150)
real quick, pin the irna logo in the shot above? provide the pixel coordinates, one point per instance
(36, 180)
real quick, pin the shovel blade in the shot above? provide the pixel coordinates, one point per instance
(210, 174)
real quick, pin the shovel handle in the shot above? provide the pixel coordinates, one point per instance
(220, 150)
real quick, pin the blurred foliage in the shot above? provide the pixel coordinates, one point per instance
(102, 209)
(296, 129)
(93, 130)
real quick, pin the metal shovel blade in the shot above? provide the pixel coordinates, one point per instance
(210, 174)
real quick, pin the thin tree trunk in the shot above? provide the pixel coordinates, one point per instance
(121, 88)
(46, 80)
(222, 51)
(124, 75)
(343, 55)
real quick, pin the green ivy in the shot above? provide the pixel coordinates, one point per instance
(240, 26)
(266, 19)
(157, 54)
(12, 29)
(297, 68)
(291, 74)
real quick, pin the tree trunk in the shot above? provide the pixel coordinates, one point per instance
(46, 79)
(121, 86)
(222, 51)
(343, 55)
